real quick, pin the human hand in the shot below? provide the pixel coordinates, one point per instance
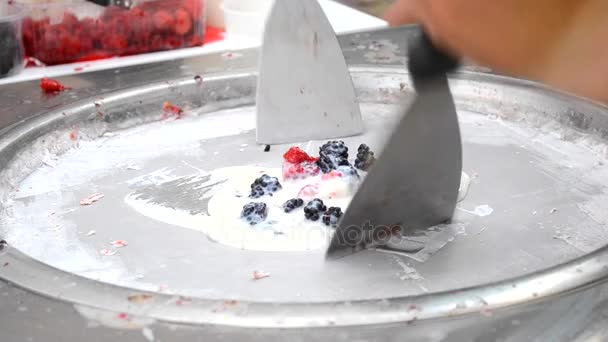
(560, 42)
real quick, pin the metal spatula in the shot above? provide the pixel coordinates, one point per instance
(304, 88)
(414, 183)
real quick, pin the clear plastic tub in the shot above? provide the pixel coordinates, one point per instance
(73, 31)
(11, 49)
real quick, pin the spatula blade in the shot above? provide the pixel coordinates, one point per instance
(305, 91)
(414, 183)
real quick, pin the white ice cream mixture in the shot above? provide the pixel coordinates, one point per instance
(280, 231)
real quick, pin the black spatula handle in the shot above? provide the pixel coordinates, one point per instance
(104, 3)
(120, 3)
(425, 60)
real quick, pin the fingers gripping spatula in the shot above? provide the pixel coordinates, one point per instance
(304, 88)
(414, 183)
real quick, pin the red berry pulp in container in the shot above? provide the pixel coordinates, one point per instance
(70, 35)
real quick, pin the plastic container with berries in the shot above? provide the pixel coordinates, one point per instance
(58, 32)
(11, 50)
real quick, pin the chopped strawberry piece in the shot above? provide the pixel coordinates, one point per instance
(51, 86)
(257, 275)
(115, 42)
(174, 42)
(183, 22)
(163, 20)
(136, 12)
(69, 20)
(296, 155)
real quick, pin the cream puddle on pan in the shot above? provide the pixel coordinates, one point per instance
(280, 231)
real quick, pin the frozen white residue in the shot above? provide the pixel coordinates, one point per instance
(407, 271)
(480, 210)
(434, 239)
(133, 167)
(148, 334)
(483, 210)
(138, 143)
(463, 189)
(159, 176)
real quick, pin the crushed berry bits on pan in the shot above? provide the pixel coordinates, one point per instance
(265, 185)
(314, 209)
(255, 212)
(172, 110)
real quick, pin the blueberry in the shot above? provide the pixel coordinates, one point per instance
(292, 204)
(314, 209)
(365, 157)
(255, 212)
(332, 216)
(265, 185)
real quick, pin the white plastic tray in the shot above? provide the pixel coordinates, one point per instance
(343, 19)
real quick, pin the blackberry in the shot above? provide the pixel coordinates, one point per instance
(254, 212)
(328, 162)
(292, 204)
(332, 216)
(365, 157)
(334, 148)
(265, 185)
(314, 209)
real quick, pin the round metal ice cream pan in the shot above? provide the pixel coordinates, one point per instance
(524, 258)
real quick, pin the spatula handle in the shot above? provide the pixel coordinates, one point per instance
(425, 60)
(104, 3)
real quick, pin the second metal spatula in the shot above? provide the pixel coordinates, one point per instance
(304, 88)
(414, 184)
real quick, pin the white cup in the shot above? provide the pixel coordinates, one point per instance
(246, 18)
